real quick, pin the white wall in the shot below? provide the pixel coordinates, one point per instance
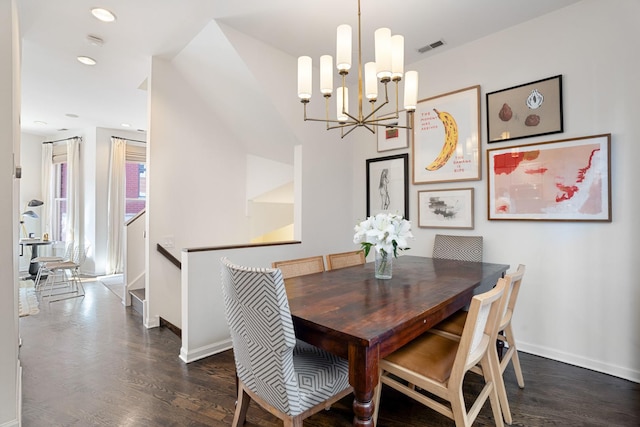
(580, 295)
(10, 369)
(197, 167)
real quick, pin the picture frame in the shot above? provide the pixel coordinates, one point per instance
(388, 185)
(394, 138)
(446, 137)
(530, 109)
(449, 208)
(564, 180)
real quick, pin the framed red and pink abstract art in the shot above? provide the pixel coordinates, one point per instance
(565, 180)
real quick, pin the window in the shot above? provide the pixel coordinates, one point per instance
(59, 220)
(136, 188)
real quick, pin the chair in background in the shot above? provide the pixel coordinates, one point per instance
(289, 378)
(64, 276)
(345, 259)
(453, 327)
(462, 248)
(437, 365)
(42, 260)
(300, 266)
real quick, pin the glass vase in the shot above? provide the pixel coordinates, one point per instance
(384, 265)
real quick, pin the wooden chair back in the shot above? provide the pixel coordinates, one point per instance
(345, 259)
(300, 266)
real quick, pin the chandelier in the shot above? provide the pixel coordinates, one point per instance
(387, 68)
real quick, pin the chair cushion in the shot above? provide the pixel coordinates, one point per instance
(453, 324)
(428, 355)
(320, 374)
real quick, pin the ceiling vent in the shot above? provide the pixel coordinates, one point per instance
(95, 40)
(431, 46)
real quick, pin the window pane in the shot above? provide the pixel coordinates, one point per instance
(136, 188)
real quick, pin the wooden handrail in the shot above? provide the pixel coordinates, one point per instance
(175, 261)
(133, 218)
(241, 246)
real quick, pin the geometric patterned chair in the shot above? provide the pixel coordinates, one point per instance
(453, 326)
(437, 365)
(345, 259)
(289, 378)
(461, 248)
(300, 266)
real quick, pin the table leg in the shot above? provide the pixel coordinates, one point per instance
(363, 377)
(33, 266)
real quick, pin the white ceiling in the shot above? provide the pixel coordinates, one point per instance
(55, 85)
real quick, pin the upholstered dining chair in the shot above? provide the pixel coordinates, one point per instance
(289, 378)
(345, 259)
(462, 248)
(437, 365)
(453, 327)
(300, 266)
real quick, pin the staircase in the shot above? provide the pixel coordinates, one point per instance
(137, 300)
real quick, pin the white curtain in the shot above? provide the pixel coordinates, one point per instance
(47, 189)
(74, 232)
(116, 206)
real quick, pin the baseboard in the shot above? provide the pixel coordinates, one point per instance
(580, 361)
(153, 322)
(205, 351)
(173, 328)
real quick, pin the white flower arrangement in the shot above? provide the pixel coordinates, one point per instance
(386, 232)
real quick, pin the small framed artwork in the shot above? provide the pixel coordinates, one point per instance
(531, 109)
(446, 143)
(446, 208)
(392, 137)
(565, 180)
(388, 185)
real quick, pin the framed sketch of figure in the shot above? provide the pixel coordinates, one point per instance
(388, 185)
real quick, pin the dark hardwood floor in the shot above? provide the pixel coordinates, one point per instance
(90, 362)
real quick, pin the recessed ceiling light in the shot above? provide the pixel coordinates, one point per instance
(73, 116)
(40, 122)
(125, 125)
(86, 60)
(103, 14)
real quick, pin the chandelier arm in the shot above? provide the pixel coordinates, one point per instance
(359, 65)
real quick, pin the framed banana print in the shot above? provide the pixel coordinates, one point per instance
(446, 208)
(394, 138)
(388, 185)
(531, 109)
(565, 180)
(446, 143)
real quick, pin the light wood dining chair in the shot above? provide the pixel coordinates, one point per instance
(300, 266)
(461, 248)
(453, 327)
(289, 378)
(345, 259)
(437, 365)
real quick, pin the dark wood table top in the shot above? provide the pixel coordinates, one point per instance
(356, 316)
(354, 305)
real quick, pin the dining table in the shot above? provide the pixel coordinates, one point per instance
(350, 313)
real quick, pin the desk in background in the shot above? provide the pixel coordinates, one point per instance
(34, 243)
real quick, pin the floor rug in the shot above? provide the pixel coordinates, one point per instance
(28, 302)
(115, 283)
